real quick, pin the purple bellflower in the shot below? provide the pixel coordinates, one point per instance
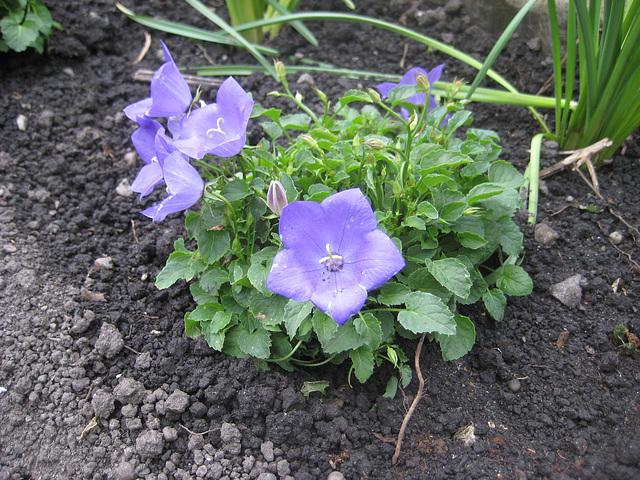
(333, 254)
(184, 187)
(153, 150)
(410, 78)
(170, 94)
(219, 128)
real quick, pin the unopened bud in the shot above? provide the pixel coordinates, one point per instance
(423, 84)
(310, 141)
(280, 71)
(473, 212)
(321, 95)
(375, 96)
(276, 197)
(413, 121)
(375, 143)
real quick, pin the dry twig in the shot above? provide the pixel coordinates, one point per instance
(145, 48)
(414, 404)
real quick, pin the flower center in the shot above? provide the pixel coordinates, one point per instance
(218, 129)
(331, 261)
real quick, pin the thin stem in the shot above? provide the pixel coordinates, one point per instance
(415, 402)
(286, 357)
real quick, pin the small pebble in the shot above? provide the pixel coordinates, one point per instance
(22, 121)
(103, 263)
(68, 71)
(306, 78)
(124, 188)
(130, 159)
(514, 385)
(616, 237)
(335, 476)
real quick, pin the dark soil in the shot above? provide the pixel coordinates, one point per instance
(546, 391)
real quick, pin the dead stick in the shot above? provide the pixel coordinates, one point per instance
(414, 404)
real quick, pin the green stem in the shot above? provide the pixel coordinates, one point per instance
(286, 357)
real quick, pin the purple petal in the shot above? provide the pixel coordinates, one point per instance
(340, 296)
(169, 90)
(143, 137)
(149, 176)
(434, 74)
(184, 185)
(375, 262)
(294, 276)
(220, 128)
(138, 109)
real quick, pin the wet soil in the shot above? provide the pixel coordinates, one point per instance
(85, 335)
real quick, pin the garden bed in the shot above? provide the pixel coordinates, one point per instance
(85, 333)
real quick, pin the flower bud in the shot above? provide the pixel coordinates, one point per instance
(375, 143)
(276, 197)
(310, 141)
(280, 71)
(375, 96)
(423, 84)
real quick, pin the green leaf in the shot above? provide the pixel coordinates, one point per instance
(42, 17)
(354, 96)
(256, 344)
(511, 238)
(362, 359)
(257, 275)
(392, 387)
(19, 36)
(213, 279)
(428, 210)
(426, 313)
(459, 344)
(213, 244)
(236, 189)
(393, 293)
(178, 267)
(451, 274)
(414, 222)
(505, 174)
(317, 386)
(324, 326)
(346, 338)
(191, 328)
(495, 302)
(368, 327)
(294, 314)
(298, 121)
(200, 295)
(484, 191)
(515, 281)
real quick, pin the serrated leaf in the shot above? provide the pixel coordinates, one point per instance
(515, 281)
(362, 359)
(368, 327)
(324, 326)
(426, 313)
(178, 267)
(451, 274)
(345, 338)
(393, 293)
(512, 238)
(213, 244)
(236, 190)
(19, 36)
(191, 328)
(495, 303)
(317, 386)
(294, 314)
(200, 295)
(257, 275)
(256, 344)
(505, 174)
(428, 210)
(297, 121)
(459, 344)
(414, 222)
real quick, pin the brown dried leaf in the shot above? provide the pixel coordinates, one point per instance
(562, 339)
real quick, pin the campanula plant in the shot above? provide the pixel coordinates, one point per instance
(339, 232)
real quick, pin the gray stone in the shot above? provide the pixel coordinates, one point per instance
(110, 341)
(143, 361)
(229, 433)
(568, 291)
(283, 468)
(178, 402)
(170, 434)
(267, 451)
(130, 391)
(267, 476)
(124, 471)
(102, 404)
(150, 443)
(545, 235)
(335, 476)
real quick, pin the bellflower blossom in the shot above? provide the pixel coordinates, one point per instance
(153, 151)
(333, 254)
(218, 128)
(170, 93)
(410, 78)
(184, 187)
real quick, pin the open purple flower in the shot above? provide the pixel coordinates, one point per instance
(333, 254)
(170, 93)
(153, 146)
(184, 187)
(219, 128)
(410, 78)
